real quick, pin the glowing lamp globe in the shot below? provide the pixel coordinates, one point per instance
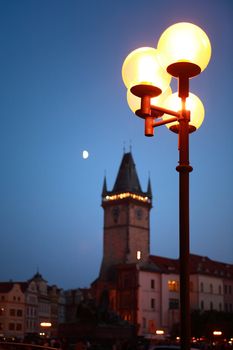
(193, 104)
(142, 69)
(184, 43)
(134, 102)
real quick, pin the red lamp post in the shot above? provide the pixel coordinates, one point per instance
(183, 52)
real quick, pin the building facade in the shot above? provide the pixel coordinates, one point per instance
(144, 289)
(30, 307)
(12, 310)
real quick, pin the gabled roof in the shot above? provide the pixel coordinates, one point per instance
(5, 287)
(24, 286)
(204, 265)
(37, 278)
(166, 265)
(198, 265)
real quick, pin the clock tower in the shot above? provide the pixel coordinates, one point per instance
(126, 220)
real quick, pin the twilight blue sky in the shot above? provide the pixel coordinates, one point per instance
(61, 92)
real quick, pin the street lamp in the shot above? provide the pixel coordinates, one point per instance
(183, 52)
(45, 326)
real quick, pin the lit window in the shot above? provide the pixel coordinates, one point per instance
(127, 317)
(173, 286)
(139, 255)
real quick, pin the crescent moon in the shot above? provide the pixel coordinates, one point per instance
(85, 154)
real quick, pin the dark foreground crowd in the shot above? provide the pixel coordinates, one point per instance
(85, 344)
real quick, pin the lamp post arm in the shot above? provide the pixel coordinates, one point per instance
(166, 121)
(151, 123)
(162, 110)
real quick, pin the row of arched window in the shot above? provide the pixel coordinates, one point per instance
(210, 289)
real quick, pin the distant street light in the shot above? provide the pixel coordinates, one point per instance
(45, 326)
(217, 333)
(183, 51)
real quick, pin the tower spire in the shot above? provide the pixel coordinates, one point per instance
(149, 190)
(104, 190)
(127, 179)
